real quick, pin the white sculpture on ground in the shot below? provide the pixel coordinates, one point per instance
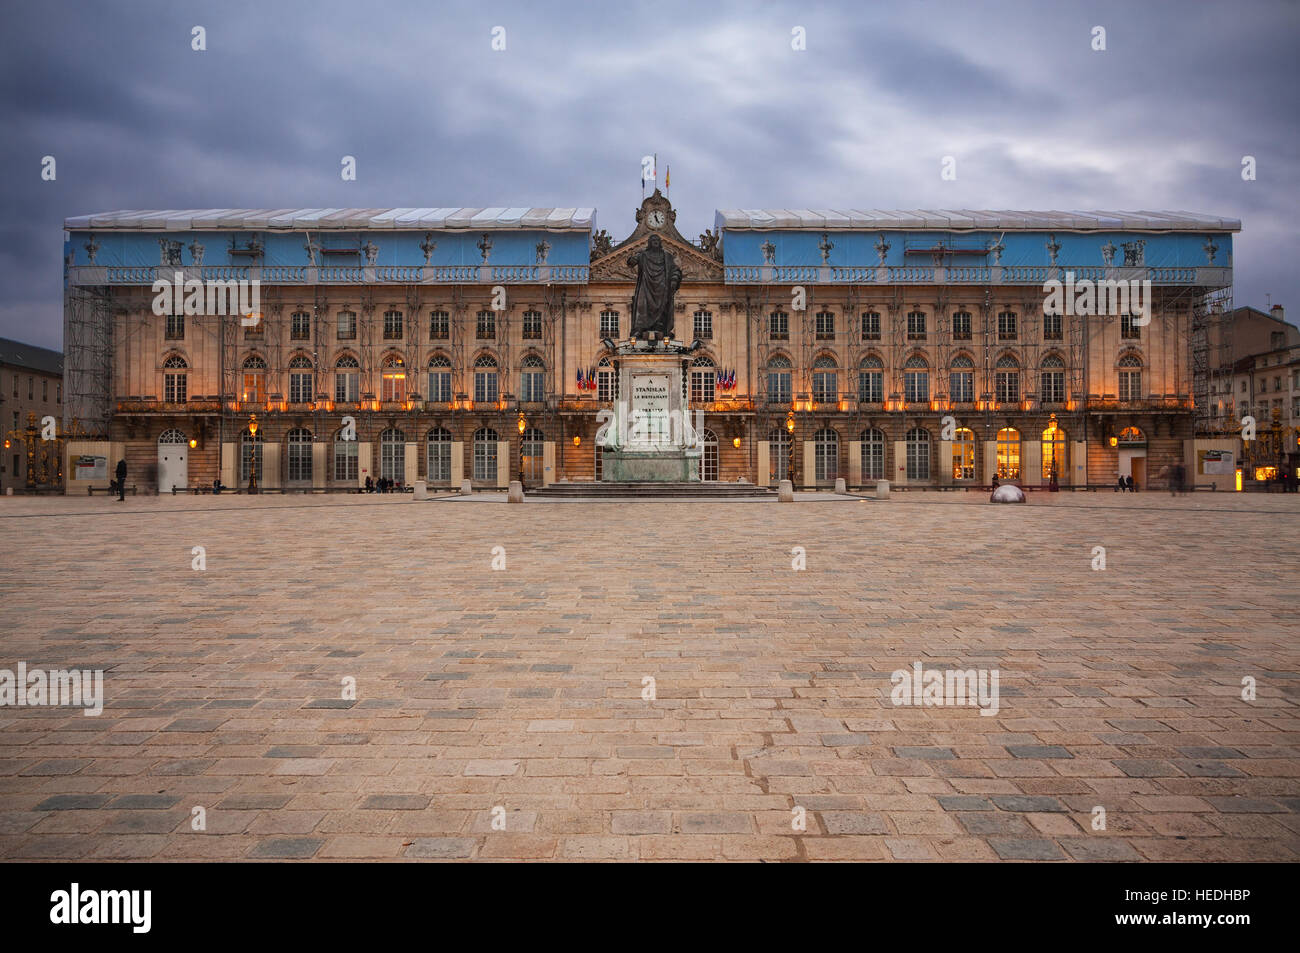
(1007, 493)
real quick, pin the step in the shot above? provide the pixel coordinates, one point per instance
(657, 490)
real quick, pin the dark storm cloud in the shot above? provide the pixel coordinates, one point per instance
(1034, 117)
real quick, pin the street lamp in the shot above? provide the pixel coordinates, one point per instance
(252, 453)
(789, 429)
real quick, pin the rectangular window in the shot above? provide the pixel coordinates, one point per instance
(961, 326)
(825, 326)
(532, 329)
(873, 458)
(300, 387)
(961, 385)
(1006, 326)
(300, 326)
(778, 326)
(45, 390)
(439, 461)
(392, 325)
(1127, 329)
(871, 387)
(609, 325)
(606, 385)
(175, 387)
(486, 328)
(825, 387)
(345, 461)
(255, 387)
(58, 392)
(916, 326)
(31, 385)
(485, 461)
(778, 387)
(871, 326)
(485, 386)
(440, 386)
(347, 386)
(347, 326)
(704, 325)
(530, 385)
(916, 386)
(1130, 385)
(393, 384)
(1008, 386)
(1053, 387)
(439, 325)
(1051, 327)
(175, 327)
(702, 385)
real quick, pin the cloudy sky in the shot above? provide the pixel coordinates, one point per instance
(1035, 118)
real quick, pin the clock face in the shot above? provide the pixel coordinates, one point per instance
(656, 219)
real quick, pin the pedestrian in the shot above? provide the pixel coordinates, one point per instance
(995, 481)
(1129, 485)
(370, 486)
(1119, 484)
(121, 480)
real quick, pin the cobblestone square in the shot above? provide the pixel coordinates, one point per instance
(505, 713)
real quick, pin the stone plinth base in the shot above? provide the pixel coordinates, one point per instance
(645, 466)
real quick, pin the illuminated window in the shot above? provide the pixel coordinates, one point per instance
(1008, 454)
(392, 377)
(963, 454)
(254, 380)
(1053, 452)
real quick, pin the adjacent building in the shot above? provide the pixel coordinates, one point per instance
(441, 344)
(31, 389)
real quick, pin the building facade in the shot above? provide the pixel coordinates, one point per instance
(31, 389)
(450, 344)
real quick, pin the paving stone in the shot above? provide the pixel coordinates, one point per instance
(1024, 848)
(1038, 751)
(1026, 804)
(286, 848)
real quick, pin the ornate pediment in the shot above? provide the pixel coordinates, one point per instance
(655, 217)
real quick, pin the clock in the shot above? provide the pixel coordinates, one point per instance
(656, 218)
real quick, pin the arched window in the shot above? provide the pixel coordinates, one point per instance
(916, 380)
(703, 378)
(440, 379)
(873, 455)
(1008, 454)
(1130, 377)
(254, 380)
(298, 442)
(485, 455)
(606, 385)
(963, 454)
(709, 458)
(825, 380)
(918, 454)
(532, 373)
(345, 457)
(485, 380)
(392, 378)
(532, 445)
(175, 379)
(392, 455)
(1007, 380)
(961, 380)
(1132, 437)
(871, 380)
(438, 453)
(1051, 380)
(1054, 453)
(778, 450)
(172, 436)
(826, 455)
(347, 379)
(780, 383)
(300, 379)
(250, 456)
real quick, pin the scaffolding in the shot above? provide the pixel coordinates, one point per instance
(1211, 309)
(88, 358)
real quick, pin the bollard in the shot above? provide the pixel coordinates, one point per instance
(840, 486)
(882, 489)
(785, 492)
(465, 488)
(421, 490)
(516, 492)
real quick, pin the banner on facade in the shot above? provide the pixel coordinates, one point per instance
(1216, 462)
(92, 468)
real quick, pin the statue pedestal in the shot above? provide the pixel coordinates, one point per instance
(651, 438)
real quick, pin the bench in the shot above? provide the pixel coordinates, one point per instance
(92, 490)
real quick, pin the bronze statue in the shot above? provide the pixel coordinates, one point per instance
(657, 280)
